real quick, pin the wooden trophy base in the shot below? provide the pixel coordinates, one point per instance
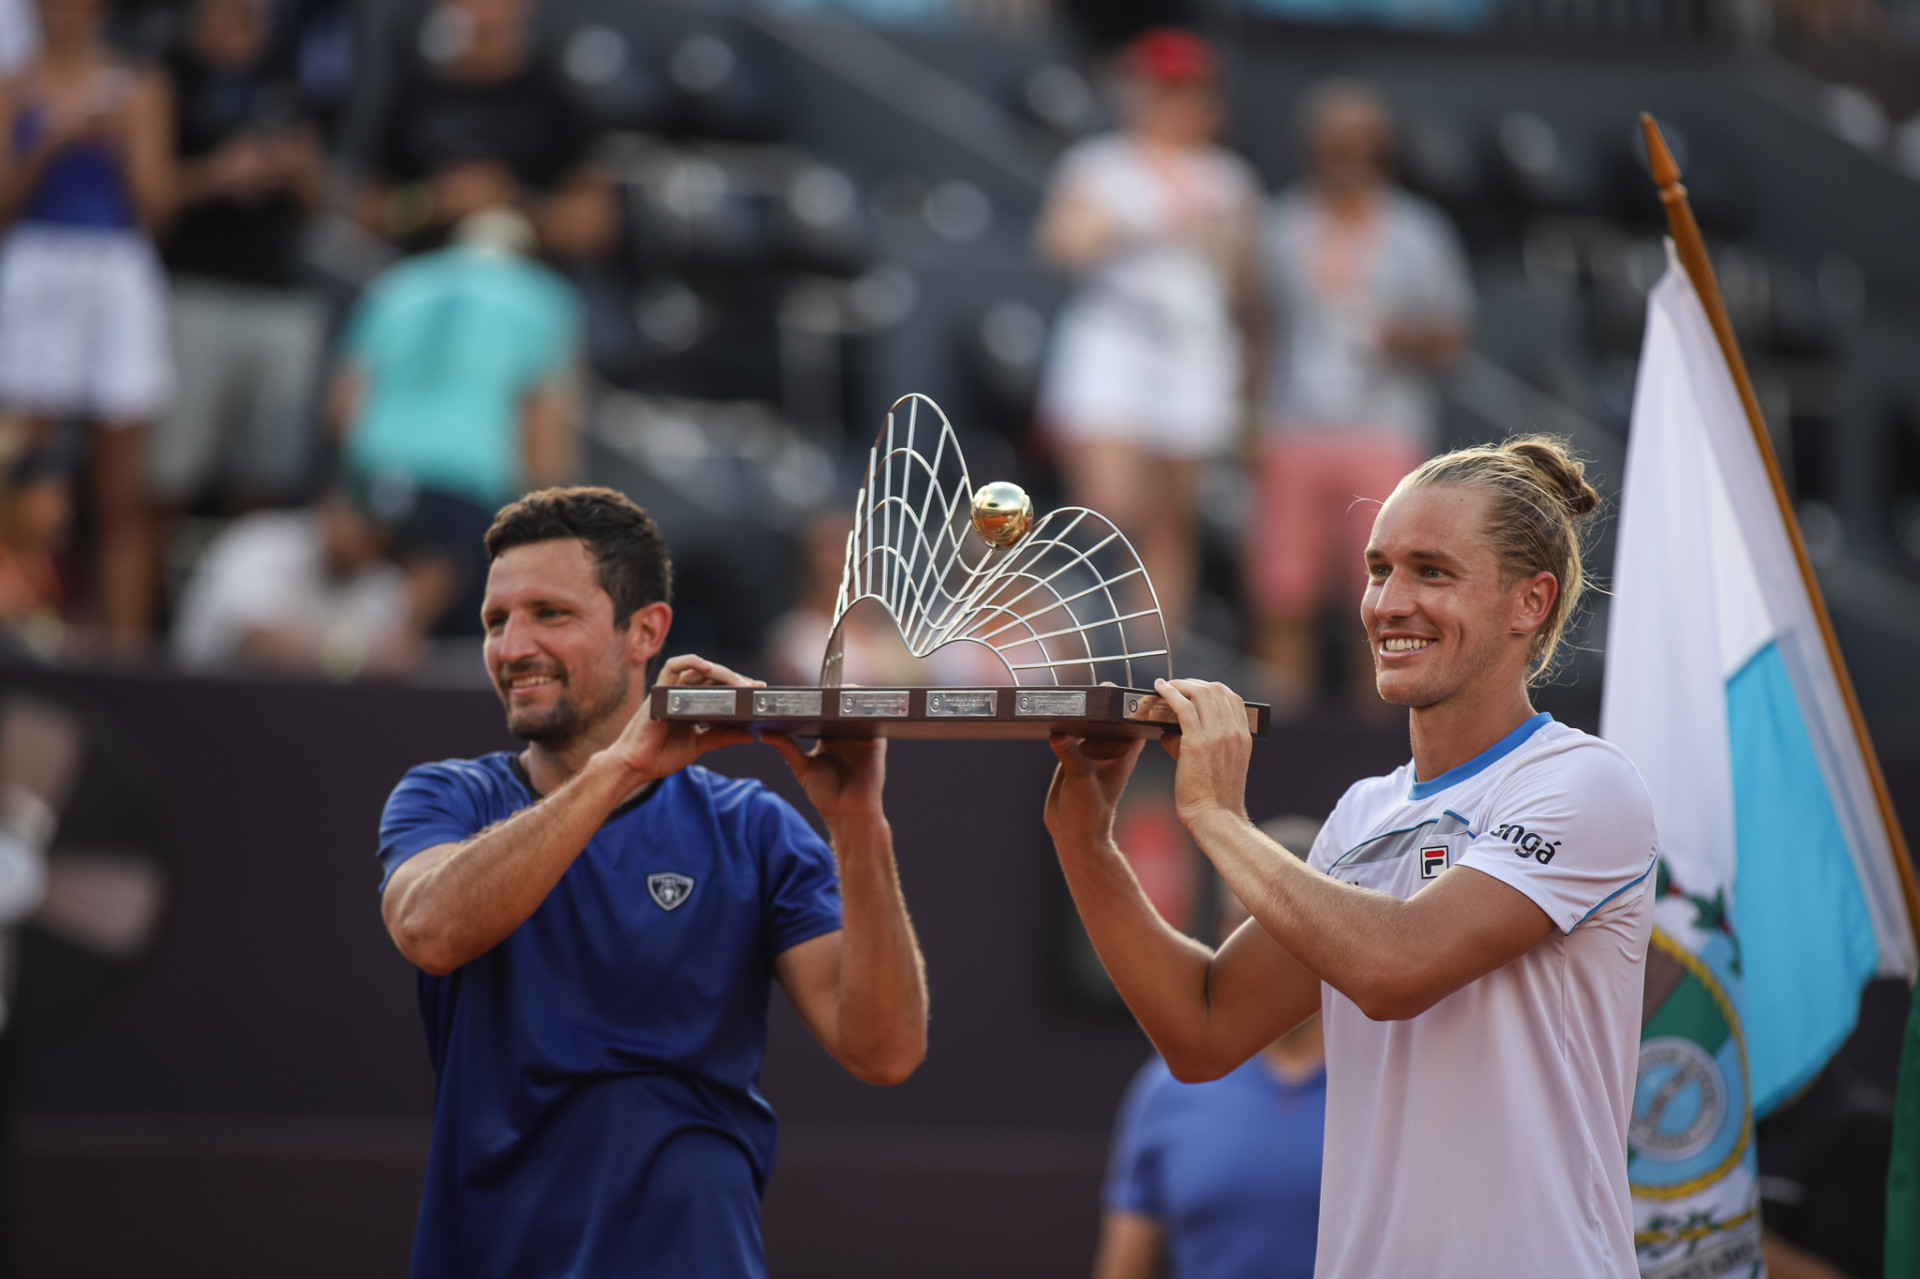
(987, 714)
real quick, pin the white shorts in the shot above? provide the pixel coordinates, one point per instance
(83, 326)
(1170, 389)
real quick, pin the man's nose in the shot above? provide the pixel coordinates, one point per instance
(515, 641)
(1392, 595)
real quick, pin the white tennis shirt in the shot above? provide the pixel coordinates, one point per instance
(1487, 1137)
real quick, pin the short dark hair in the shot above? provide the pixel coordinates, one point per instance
(630, 561)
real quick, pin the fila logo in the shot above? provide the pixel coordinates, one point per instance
(1529, 843)
(1433, 860)
(669, 889)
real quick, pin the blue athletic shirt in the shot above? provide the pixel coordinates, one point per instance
(1230, 1169)
(596, 1108)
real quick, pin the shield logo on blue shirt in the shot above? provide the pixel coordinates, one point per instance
(670, 889)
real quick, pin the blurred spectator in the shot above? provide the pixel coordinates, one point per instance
(456, 394)
(36, 514)
(1221, 1180)
(247, 338)
(481, 125)
(872, 651)
(1158, 225)
(797, 640)
(306, 590)
(1369, 298)
(87, 171)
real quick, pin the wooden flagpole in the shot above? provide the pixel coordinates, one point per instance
(1692, 251)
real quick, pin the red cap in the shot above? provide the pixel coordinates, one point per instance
(1171, 54)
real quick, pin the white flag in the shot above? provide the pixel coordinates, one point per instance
(1777, 898)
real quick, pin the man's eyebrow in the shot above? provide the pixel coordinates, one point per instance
(1423, 555)
(536, 601)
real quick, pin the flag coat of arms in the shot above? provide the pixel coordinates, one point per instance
(1777, 897)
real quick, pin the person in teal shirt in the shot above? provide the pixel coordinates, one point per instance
(456, 392)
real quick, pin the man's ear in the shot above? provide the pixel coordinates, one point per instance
(647, 632)
(1533, 602)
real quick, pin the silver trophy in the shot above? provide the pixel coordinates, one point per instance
(1062, 603)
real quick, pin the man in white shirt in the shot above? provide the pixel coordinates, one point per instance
(309, 590)
(1473, 927)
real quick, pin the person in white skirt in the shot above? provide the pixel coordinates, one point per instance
(85, 174)
(1158, 225)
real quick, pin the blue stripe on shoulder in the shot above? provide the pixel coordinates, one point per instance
(1615, 893)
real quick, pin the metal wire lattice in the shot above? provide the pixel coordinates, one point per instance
(1069, 603)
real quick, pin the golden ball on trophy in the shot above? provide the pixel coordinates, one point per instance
(1002, 513)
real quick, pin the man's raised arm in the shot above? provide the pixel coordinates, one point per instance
(1206, 1012)
(862, 989)
(454, 902)
(1392, 958)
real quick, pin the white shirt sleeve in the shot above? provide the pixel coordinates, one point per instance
(1572, 831)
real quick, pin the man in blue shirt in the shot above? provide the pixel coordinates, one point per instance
(598, 925)
(1221, 1180)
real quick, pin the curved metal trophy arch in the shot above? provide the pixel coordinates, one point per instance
(1068, 602)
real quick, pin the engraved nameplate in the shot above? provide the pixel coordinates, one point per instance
(1147, 706)
(1153, 709)
(788, 703)
(867, 704)
(700, 701)
(1051, 703)
(962, 703)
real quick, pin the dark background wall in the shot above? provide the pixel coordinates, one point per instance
(253, 1096)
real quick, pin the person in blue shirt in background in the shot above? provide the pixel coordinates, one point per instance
(456, 391)
(1221, 1180)
(598, 924)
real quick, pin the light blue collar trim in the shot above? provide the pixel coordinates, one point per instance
(1479, 763)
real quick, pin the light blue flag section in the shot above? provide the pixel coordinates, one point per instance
(1778, 897)
(1795, 880)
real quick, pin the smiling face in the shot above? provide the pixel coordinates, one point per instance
(1442, 619)
(559, 664)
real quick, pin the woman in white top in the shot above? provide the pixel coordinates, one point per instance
(1158, 226)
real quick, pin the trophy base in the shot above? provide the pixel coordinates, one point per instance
(987, 714)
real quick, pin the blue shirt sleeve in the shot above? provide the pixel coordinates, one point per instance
(802, 893)
(1133, 1170)
(432, 805)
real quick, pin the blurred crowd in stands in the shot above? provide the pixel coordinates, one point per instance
(274, 343)
(166, 352)
(209, 454)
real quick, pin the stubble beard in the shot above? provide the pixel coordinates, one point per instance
(1463, 678)
(567, 719)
